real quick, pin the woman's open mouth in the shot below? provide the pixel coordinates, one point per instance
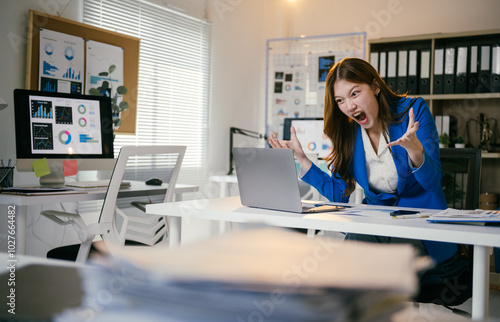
(360, 116)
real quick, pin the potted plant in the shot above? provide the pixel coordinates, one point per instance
(459, 142)
(444, 140)
(118, 105)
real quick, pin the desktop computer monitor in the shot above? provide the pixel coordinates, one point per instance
(310, 134)
(60, 127)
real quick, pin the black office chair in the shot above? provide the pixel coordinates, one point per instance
(461, 173)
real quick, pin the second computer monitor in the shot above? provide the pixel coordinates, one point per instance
(310, 134)
(62, 127)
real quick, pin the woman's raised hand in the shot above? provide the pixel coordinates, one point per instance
(292, 144)
(411, 143)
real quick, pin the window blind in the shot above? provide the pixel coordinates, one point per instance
(174, 77)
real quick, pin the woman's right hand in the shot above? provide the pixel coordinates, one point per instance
(292, 144)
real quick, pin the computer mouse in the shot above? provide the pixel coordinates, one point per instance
(154, 182)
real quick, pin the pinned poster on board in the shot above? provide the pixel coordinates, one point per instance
(61, 62)
(105, 74)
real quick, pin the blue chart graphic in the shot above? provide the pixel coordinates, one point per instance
(49, 49)
(96, 79)
(49, 86)
(69, 53)
(70, 73)
(49, 69)
(84, 138)
(41, 109)
(76, 88)
(324, 65)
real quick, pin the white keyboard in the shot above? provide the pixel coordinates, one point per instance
(93, 184)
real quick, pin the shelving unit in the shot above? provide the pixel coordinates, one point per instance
(464, 106)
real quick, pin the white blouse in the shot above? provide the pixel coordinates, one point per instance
(381, 169)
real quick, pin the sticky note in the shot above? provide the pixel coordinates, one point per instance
(70, 167)
(41, 167)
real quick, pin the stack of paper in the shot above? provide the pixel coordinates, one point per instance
(253, 275)
(478, 216)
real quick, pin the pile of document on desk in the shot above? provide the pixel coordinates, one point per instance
(264, 274)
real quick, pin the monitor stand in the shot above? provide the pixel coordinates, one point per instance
(53, 179)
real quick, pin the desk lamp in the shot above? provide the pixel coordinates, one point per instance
(235, 130)
(3, 104)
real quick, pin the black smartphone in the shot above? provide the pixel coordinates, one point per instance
(404, 212)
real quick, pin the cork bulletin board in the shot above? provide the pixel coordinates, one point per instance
(130, 45)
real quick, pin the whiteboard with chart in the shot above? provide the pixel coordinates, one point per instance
(296, 74)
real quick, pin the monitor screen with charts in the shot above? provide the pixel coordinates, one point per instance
(310, 134)
(62, 127)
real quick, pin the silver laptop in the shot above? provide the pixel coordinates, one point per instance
(267, 178)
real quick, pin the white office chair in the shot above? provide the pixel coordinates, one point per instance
(113, 224)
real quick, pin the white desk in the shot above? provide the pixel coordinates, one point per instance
(225, 183)
(230, 209)
(22, 202)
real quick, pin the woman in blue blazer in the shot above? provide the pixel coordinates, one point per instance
(385, 142)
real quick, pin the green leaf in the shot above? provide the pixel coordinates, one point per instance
(118, 122)
(121, 90)
(123, 106)
(112, 68)
(95, 92)
(103, 74)
(105, 85)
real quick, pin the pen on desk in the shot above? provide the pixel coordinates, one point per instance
(3, 164)
(411, 216)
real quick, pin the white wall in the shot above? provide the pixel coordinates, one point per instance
(240, 35)
(13, 37)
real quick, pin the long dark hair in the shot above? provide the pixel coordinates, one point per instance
(339, 128)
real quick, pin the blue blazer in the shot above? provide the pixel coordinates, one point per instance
(420, 188)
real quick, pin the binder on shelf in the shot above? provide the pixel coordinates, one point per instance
(374, 60)
(484, 69)
(392, 60)
(382, 65)
(402, 71)
(473, 69)
(424, 84)
(450, 127)
(439, 123)
(437, 86)
(446, 124)
(449, 70)
(495, 69)
(412, 81)
(461, 74)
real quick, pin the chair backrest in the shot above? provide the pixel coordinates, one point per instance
(110, 213)
(461, 176)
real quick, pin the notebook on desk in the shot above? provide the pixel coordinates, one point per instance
(267, 178)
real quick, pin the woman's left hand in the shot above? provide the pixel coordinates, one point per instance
(411, 143)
